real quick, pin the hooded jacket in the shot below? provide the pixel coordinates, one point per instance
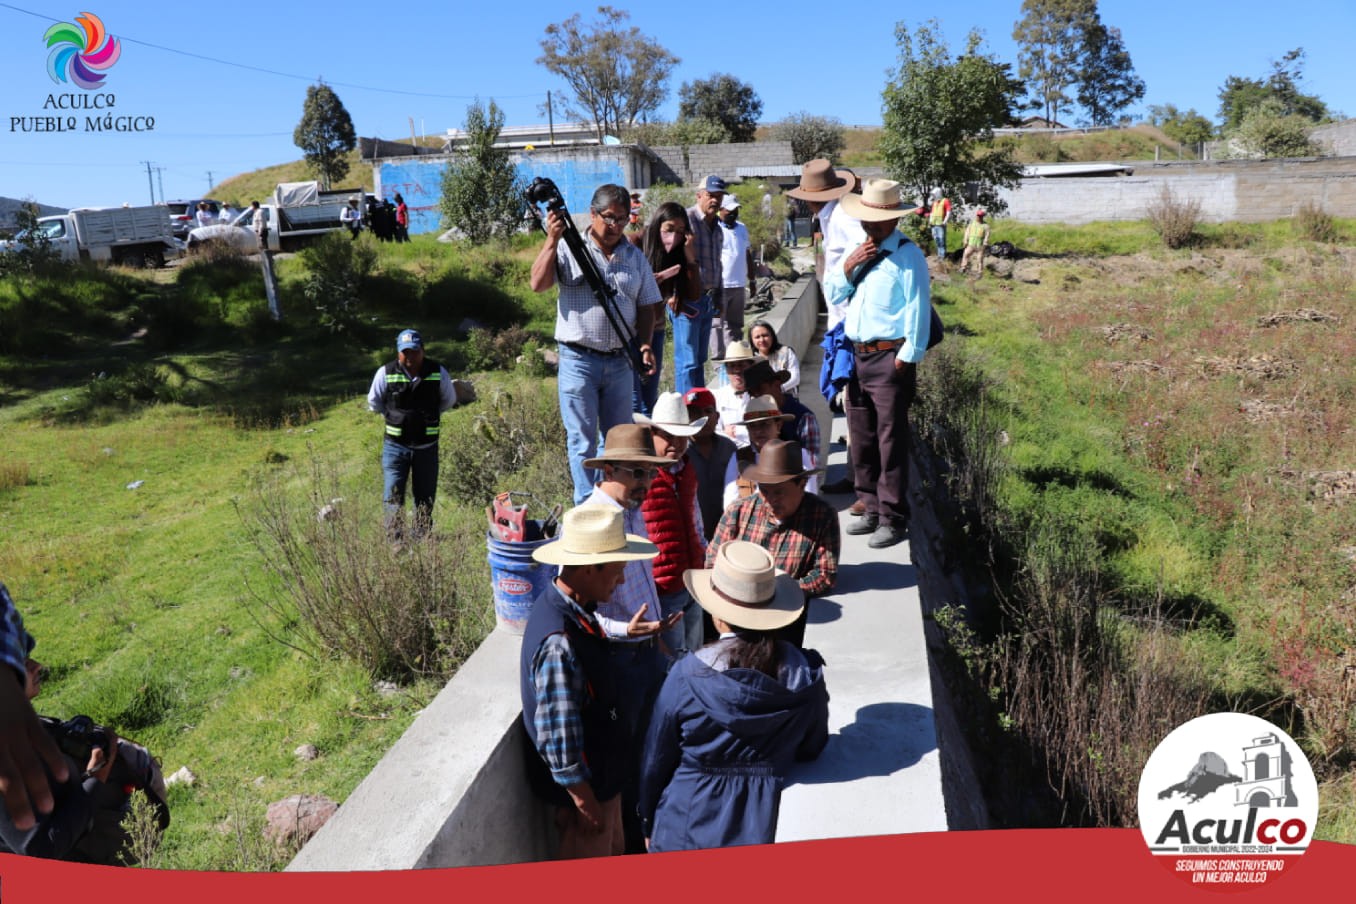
(720, 743)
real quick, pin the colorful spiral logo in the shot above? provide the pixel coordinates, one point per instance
(81, 53)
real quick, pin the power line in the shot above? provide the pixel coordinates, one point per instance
(274, 72)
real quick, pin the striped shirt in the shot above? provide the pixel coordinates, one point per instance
(579, 318)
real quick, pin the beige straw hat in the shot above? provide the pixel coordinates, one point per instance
(744, 588)
(763, 408)
(738, 351)
(879, 200)
(594, 535)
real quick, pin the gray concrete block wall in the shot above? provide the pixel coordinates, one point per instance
(1338, 138)
(695, 163)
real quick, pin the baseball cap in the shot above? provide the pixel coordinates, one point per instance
(409, 339)
(699, 397)
(730, 202)
(714, 184)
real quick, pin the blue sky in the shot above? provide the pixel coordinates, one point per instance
(426, 61)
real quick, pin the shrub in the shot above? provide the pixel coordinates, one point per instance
(139, 383)
(1174, 219)
(336, 267)
(516, 442)
(1314, 223)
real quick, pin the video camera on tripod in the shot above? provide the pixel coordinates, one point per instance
(544, 191)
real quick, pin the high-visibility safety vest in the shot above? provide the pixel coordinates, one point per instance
(413, 405)
(938, 212)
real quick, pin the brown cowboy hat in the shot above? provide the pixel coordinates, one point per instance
(744, 588)
(779, 461)
(819, 181)
(880, 200)
(628, 444)
(761, 372)
(594, 535)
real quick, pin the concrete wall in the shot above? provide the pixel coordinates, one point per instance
(452, 792)
(577, 171)
(1243, 190)
(689, 166)
(1338, 138)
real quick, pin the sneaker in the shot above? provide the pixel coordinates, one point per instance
(887, 534)
(857, 508)
(867, 524)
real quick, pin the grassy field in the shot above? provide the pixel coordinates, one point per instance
(1173, 488)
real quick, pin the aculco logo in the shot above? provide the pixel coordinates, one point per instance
(1227, 800)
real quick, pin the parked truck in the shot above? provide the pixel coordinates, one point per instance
(136, 236)
(299, 212)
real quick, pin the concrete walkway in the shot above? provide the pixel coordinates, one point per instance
(881, 771)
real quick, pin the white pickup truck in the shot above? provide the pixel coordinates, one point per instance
(136, 236)
(298, 212)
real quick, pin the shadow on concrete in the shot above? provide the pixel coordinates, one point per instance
(884, 738)
(823, 611)
(875, 576)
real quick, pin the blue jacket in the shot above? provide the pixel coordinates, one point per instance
(719, 745)
(838, 363)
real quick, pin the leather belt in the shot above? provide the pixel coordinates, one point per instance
(877, 345)
(585, 350)
(644, 643)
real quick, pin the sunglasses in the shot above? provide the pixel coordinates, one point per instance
(637, 473)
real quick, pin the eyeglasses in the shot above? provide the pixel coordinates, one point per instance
(614, 222)
(637, 473)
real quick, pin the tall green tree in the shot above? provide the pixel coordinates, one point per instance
(812, 137)
(325, 134)
(1185, 127)
(725, 100)
(1050, 37)
(1239, 96)
(482, 193)
(616, 75)
(940, 112)
(1107, 82)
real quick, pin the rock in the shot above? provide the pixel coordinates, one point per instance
(328, 512)
(295, 819)
(306, 753)
(136, 484)
(386, 688)
(182, 777)
(466, 391)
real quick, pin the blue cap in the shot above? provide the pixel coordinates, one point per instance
(714, 184)
(409, 339)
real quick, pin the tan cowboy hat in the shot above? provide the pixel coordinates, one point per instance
(670, 415)
(628, 444)
(763, 408)
(738, 351)
(778, 462)
(745, 588)
(594, 535)
(879, 200)
(761, 372)
(819, 181)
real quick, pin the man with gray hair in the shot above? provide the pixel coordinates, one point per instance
(595, 380)
(691, 333)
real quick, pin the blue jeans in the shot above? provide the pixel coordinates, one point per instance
(398, 463)
(790, 233)
(690, 335)
(939, 239)
(647, 388)
(595, 395)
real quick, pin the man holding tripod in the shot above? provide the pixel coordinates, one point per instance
(595, 380)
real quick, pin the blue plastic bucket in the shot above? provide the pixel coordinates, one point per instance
(517, 580)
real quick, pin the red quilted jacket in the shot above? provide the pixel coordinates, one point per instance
(671, 522)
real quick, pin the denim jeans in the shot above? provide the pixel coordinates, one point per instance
(939, 239)
(690, 335)
(398, 463)
(647, 388)
(789, 233)
(595, 395)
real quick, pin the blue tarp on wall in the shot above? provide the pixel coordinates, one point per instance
(420, 183)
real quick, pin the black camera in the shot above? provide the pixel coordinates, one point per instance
(77, 737)
(544, 191)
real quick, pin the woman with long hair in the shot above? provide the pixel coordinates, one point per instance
(731, 718)
(764, 340)
(674, 262)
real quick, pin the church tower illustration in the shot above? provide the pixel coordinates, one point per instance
(1266, 775)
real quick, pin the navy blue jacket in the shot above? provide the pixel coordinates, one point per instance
(719, 745)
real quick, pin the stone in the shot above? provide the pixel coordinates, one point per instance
(306, 753)
(182, 777)
(293, 820)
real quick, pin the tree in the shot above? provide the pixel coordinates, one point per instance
(812, 137)
(1240, 96)
(1107, 82)
(616, 76)
(722, 99)
(1267, 130)
(325, 134)
(1188, 128)
(1050, 37)
(939, 110)
(482, 194)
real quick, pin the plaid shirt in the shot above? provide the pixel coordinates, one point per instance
(14, 640)
(805, 546)
(579, 317)
(559, 681)
(710, 242)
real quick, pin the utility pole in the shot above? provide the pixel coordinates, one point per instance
(149, 183)
(160, 180)
(210, 184)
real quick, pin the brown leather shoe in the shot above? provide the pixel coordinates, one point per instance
(857, 508)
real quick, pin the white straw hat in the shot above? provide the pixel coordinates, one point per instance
(745, 588)
(594, 535)
(670, 415)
